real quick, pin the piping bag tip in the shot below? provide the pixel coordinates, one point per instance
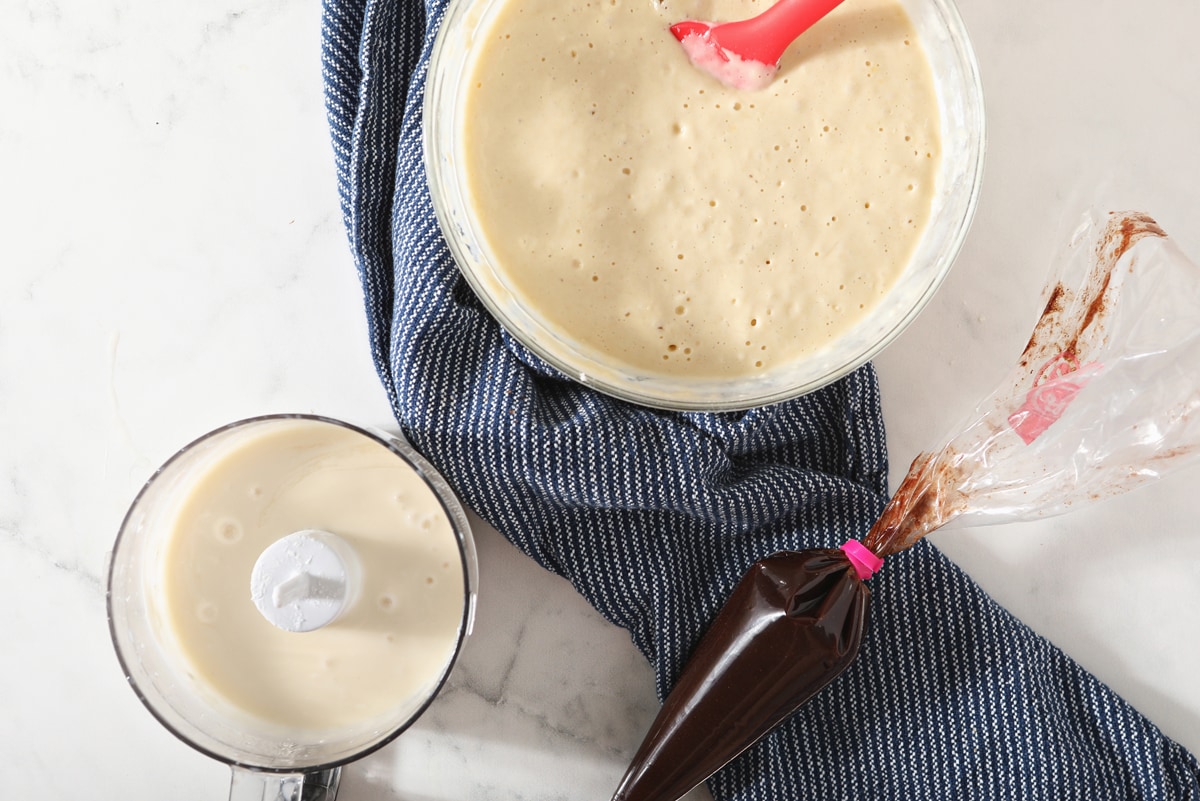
(792, 624)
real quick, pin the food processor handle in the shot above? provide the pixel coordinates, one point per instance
(257, 785)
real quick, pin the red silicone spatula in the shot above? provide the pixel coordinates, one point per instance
(745, 54)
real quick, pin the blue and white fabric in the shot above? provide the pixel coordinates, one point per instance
(653, 516)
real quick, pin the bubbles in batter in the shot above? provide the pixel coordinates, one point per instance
(674, 175)
(207, 612)
(228, 531)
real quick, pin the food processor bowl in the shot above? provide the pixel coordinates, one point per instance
(268, 760)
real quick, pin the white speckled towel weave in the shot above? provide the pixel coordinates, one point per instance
(654, 516)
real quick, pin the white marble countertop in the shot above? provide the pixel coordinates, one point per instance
(172, 258)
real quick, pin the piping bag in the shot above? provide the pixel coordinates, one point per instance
(1105, 397)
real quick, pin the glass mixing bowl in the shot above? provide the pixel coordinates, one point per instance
(960, 101)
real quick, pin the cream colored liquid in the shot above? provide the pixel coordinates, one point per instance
(683, 227)
(384, 653)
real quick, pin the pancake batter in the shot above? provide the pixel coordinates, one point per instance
(387, 651)
(679, 226)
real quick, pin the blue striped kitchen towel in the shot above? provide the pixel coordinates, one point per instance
(653, 516)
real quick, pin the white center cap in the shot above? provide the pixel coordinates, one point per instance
(305, 580)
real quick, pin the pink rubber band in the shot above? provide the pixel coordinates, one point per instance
(866, 564)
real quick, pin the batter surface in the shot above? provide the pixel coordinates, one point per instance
(387, 651)
(679, 226)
